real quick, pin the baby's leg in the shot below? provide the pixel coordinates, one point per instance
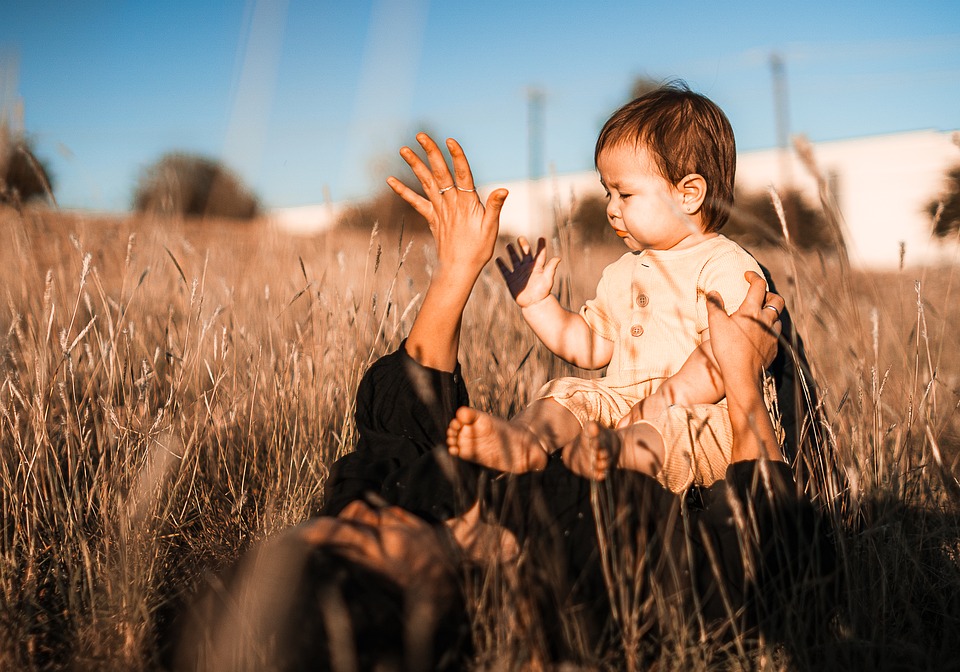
(641, 448)
(592, 454)
(519, 445)
(598, 449)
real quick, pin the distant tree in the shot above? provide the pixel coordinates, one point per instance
(190, 185)
(23, 176)
(589, 221)
(386, 210)
(945, 211)
(755, 223)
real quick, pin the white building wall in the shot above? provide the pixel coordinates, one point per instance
(883, 183)
(532, 208)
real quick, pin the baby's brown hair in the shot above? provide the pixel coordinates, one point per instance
(686, 133)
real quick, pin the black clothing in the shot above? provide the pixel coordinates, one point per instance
(402, 413)
(806, 445)
(604, 557)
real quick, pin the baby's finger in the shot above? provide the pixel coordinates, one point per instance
(461, 167)
(514, 257)
(550, 268)
(524, 245)
(540, 259)
(541, 245)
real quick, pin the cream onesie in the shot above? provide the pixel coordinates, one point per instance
(652, 305)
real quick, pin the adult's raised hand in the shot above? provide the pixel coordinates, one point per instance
(464, 229)
(465, 233)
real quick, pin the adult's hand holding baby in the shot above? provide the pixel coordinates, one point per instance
(744, 343)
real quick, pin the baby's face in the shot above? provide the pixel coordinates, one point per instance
(644, 209)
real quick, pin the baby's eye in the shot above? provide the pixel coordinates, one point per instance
(606, 194)
(625, 196)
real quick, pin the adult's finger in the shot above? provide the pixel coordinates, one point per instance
(438, 164)
(715, 303)
(461, 167)
(756, 292)
(494, 205)
(416, 201)
(776, 301)
(419, 169)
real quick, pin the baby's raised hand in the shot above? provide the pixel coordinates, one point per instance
(531, 277)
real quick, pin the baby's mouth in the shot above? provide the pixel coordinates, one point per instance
(622, 234)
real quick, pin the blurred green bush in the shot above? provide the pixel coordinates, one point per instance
(181, 184)
(23, 176)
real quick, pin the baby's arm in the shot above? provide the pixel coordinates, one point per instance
(697, 382)
(565, 333)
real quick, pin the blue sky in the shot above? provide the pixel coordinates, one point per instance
(307, 100)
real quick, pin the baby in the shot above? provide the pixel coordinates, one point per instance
(667, 162)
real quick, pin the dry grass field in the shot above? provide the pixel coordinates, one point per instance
(171, 393)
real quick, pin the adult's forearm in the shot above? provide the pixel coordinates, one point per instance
(753, 433)
(434, 339)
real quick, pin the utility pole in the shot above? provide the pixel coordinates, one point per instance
(782, 117)
(9, 102)
(535, 99)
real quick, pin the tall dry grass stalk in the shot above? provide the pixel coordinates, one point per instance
(173, 393)
(169, 395)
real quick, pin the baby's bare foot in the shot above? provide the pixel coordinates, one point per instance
(594, 453)
(485, 439)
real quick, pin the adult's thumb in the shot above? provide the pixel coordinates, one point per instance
(714, 301)
(495, 200)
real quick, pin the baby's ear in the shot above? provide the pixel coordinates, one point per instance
(692, 190)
